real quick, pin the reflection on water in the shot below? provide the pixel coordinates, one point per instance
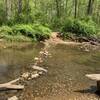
(65, 79)
(14, 61)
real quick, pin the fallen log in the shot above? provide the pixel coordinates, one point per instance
(13, 81)
(11, 86)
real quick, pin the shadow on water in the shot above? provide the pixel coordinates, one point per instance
(91, 90)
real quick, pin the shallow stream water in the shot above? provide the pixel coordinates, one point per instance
(65, 79)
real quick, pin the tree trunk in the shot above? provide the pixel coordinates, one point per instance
(27, 9)
(75, 14)
(19, 7)
(90, 7)
(57, 9)
(8, 9)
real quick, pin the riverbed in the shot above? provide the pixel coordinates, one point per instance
(65, 79)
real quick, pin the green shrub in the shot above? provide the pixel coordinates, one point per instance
(6, 30)
(79, 27)
(41, 32)
(25, 30)
(34, 32)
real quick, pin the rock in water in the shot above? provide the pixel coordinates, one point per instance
(34, 76)
(13, 98)
(25, 75)
(39, 68)
(36, 58)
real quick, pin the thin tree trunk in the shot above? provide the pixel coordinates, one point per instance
(19, 7)
(90, 7)
(57, 9)
(66, 8)
(8, 9)
(76, 4)
(27, 9)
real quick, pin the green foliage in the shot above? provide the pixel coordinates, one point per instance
(79, 27)
(41, 32)
(35, 32)
(22, 13)
(25, 30)
(6, 30)
(2, 13)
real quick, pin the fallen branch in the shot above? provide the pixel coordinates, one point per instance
(13, 81)
(10, 85)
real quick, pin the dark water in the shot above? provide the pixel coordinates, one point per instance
(65, 79)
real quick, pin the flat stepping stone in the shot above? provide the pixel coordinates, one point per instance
(95, 77)
(13, 98)
(39, 68)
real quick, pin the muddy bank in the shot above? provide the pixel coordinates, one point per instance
(85, 46)
(82, 43)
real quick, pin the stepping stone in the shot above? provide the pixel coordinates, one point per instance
(95, 77)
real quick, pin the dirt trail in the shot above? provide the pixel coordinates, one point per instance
(85, 46)
(54, 39)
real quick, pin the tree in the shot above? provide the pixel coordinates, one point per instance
(76, 4)
(44, 11)
(90, 7)
(58, 8)
(8, 11)
(19, 7)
